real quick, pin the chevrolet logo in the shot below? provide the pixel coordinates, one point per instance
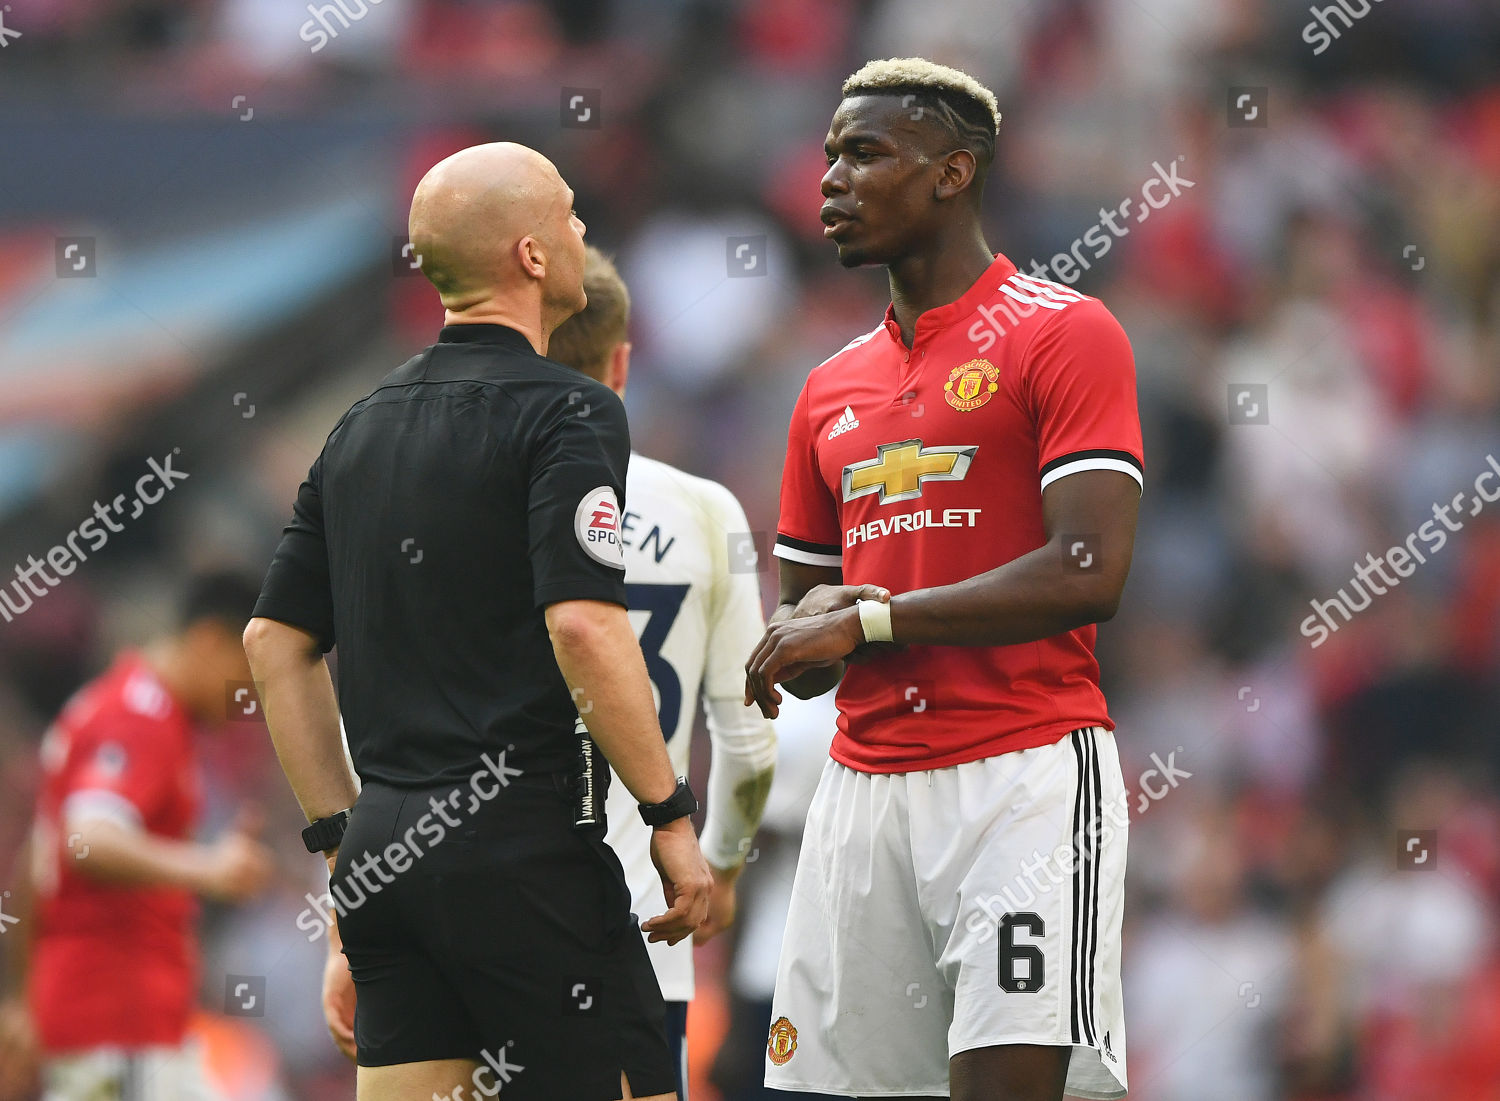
(899, 469)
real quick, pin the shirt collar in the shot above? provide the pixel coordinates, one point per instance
(940, 317)
(485, 333)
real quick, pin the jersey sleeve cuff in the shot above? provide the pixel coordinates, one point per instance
(609, 592)
(807, 553)
(1098, 459)
(100, 804)
(293, 615)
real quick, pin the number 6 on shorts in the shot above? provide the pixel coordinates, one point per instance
(1012, 953)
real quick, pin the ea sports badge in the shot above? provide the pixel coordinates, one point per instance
(597, 525)
(783, 1042)
(971, 384)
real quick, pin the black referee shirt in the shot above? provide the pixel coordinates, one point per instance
(476, 485)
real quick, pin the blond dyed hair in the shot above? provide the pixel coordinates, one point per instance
(917, 75)
(951, 100)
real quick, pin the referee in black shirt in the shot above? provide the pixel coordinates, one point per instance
(458, 538)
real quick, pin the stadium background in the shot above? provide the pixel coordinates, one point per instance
(237, 202)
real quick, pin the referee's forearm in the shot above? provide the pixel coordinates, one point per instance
(601, 660)
(302, 714)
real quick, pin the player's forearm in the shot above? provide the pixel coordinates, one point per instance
(601, 661)
(739, 780)
(109, 853)
(1036, 596)
(303, 716)
(814, 682)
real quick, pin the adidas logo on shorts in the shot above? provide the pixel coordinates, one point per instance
(847, 421)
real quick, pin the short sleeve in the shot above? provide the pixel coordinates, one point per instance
(1079, 378)
(808, 530)
(575, 498)
(120, 776)
(297, 589)
(737, 616)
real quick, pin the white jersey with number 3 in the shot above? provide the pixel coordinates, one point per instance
(694, 591)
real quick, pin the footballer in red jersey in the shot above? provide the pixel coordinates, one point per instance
(110, 958)
(958, 510)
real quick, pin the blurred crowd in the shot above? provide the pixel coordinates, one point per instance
(1315, 853)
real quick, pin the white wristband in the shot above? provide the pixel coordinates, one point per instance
(875, 620)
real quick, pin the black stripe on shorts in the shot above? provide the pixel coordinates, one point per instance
(1085, 942)
(1096, 821)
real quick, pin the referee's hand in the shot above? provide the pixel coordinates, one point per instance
(338, 1001)
(685, 880)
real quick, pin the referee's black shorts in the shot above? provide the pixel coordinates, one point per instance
(509, 941)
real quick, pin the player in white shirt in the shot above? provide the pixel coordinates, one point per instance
(694, 591)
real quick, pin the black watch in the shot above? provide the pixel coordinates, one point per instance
(326, 833)
(679, 804)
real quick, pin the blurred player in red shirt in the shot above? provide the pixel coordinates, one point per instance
(104, 943)
(962, 481)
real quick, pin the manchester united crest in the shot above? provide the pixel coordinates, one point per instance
(783, 1042)
(971, 384)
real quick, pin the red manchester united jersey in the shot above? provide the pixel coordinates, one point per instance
(113, 965)
(923, 467)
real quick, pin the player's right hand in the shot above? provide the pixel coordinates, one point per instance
(830, 598)
(239, 866)
(338, 1001)
(685, 880)
(20, 1059)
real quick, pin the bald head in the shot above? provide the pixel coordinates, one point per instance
(495, 230)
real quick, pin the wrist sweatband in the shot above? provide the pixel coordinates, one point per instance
(875, 620)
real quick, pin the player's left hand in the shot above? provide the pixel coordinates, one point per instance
(722, 904)
(792, 647)
(338, 1001)
(830, 598)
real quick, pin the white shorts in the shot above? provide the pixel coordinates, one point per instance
(144, 1074)
(966, 907)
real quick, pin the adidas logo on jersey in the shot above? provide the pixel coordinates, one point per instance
(847, 421)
